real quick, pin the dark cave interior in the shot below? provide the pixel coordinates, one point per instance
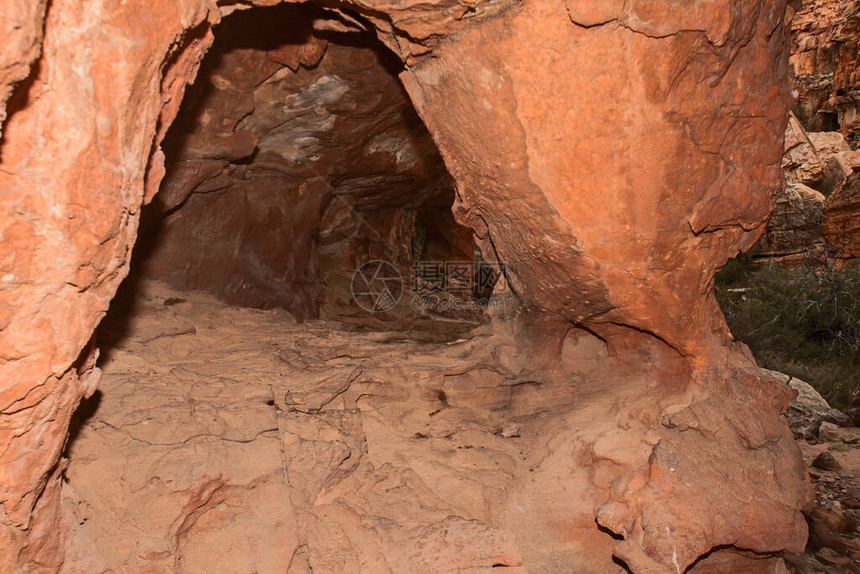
(296, 157)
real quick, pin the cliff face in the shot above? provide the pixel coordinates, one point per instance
(826, 60)
(611, 157)
(822, 137)
(840, 225)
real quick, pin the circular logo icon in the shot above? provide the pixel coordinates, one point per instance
(377, 286)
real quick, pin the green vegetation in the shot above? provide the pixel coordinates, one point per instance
(803, 321)
(801, 113)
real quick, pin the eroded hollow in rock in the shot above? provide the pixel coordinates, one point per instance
(237, 433)
(296, 158)
(236, 439)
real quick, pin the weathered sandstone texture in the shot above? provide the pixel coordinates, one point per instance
(815, 164)
(611, 157)
(840, 226)
(21, 26)
(794, 227)
(360, 452)
(826, 59)
(293, 163)
(801, 162)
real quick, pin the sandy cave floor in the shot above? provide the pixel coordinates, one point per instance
(227, 439)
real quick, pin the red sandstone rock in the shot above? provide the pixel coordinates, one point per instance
(814, 163)
(613, 168)
(840, 225)
(574, 184)
(269, 156)
(71, 183)
(825, 56)
(838, 158)
(21, 30)
(723, 562)
(820, 160)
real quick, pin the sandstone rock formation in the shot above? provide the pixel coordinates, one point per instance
(21, 27)
(824, 55)
(840, 226)
(284, 174)
(809, 409)
(838, 158)
(359, 454)
(801, 161)
(821, 160)
(611, 157)
(794, 227)
(815, 163)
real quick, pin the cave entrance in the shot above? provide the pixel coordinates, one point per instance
(244, 369)
(296, 159)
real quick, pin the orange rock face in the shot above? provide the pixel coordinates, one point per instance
(21, 26)
(612, 157)
(825, 56)
(840, 226)
(589, 152)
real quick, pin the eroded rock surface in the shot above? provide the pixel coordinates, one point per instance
(612, 158)
(794, 227)
(231, 439)
(801, 162)
(228, 439)
(825, 56)
(815, 164)
(21, 25)
(295, 160)
(840, 226)
(544, 160)
(808, 410)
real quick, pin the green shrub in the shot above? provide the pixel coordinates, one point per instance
(803, 321)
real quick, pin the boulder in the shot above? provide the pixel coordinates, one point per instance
(820, 160)
(840, 221)
(801, 162)
(809, 410)
(837, 157)
(826, 461)
(828, 143)
(838, 166)
(829, 432)
(795, 222)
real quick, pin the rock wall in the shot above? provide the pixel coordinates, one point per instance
(613, 156)
(811, 221)
(294, 159)
(825, 56)
(840, 227)
(75, 154)
(583, 155)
